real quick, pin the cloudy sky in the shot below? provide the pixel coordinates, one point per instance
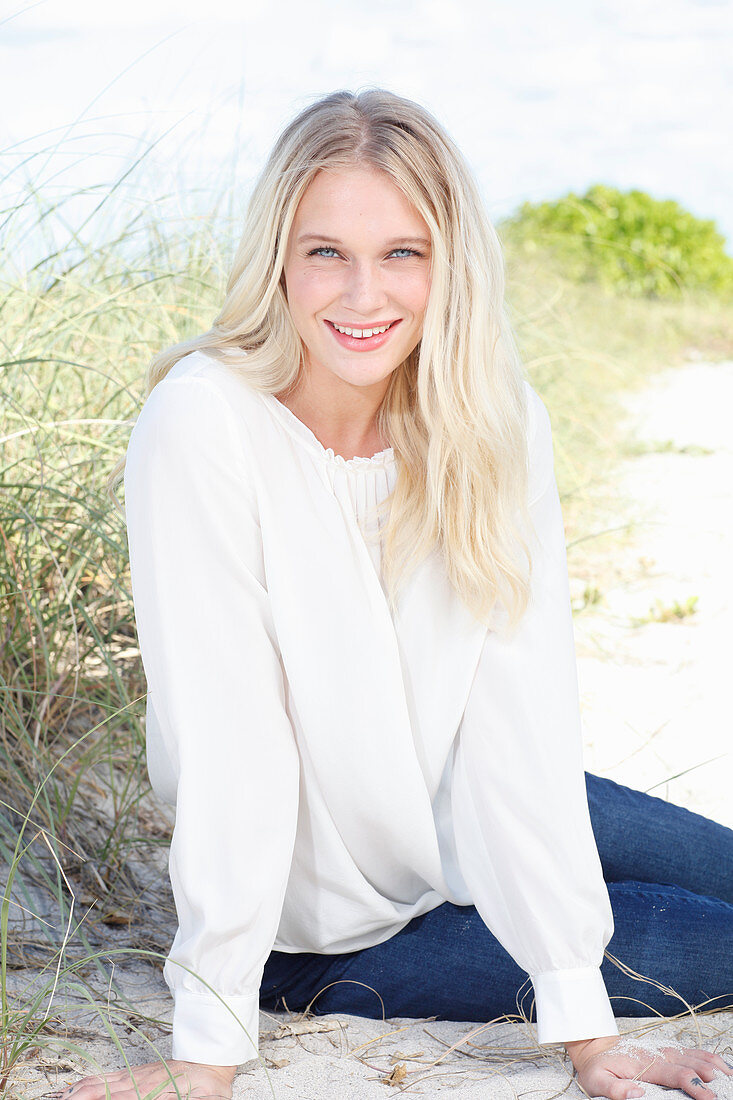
(542, 97)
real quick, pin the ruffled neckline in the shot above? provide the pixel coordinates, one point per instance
(302, 432)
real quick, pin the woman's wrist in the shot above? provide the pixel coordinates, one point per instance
(577, 1047)
(226, 1073)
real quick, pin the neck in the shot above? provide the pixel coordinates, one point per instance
(344, 419)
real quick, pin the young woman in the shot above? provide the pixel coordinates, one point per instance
(350, 583)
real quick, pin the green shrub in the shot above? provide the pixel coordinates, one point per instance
(626, 241)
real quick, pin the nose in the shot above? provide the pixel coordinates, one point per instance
(364, 292)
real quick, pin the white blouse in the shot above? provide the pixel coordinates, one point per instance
(336, 772)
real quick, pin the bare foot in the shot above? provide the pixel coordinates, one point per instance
(190, 1079)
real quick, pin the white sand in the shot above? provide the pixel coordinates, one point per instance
(355, 1057)
(656, 698)
(655, 702)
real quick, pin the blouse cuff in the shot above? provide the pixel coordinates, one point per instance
(571, 1005)
(204, 1030)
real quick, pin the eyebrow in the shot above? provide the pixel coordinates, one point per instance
(395, 240)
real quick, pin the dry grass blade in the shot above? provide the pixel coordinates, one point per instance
(305, 1027)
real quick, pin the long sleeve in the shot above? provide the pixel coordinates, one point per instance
(215, 682)
(524, 840)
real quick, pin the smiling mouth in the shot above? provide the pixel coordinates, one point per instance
(362, 333)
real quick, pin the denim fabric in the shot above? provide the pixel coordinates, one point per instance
(670, 880)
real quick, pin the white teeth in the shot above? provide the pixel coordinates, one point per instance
(361, 333)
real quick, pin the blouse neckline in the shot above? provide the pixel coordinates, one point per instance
(302, 432)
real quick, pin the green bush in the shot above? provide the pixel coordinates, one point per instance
(626, 241)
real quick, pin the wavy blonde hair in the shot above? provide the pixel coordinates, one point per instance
(455, 411)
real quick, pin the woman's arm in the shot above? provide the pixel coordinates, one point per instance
(523, 834)
(215, 680)
(524, 838)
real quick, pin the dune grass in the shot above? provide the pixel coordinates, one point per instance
(585, 349)
(83, 845)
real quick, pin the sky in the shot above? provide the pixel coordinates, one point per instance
(543, 98)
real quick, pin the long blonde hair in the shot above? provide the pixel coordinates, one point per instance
(455, 412)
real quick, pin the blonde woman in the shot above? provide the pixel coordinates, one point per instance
(350, 584)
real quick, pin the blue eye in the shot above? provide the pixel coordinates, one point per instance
(327, 252)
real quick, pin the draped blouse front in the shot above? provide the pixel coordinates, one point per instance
(359, 484)
(337, 771)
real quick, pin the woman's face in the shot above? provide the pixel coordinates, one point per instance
(358, 258)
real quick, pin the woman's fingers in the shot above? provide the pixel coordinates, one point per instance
(91, 1088)
(123, 1089)
(167, 1093)
(620, 1077)
(97, 1080)
(130, 1084)
(603, 1082)
(673, 1073)
(702, 1068)
(704, 1058)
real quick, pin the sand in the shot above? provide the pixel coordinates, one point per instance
(365, 1059)
(655, 703)
(656, 698)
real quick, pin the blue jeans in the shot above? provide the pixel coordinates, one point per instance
(670, 880)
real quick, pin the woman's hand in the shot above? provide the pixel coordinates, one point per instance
(605, 1071)
(193, 1079)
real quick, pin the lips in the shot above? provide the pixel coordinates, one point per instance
(363, 331)
(362, 343)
